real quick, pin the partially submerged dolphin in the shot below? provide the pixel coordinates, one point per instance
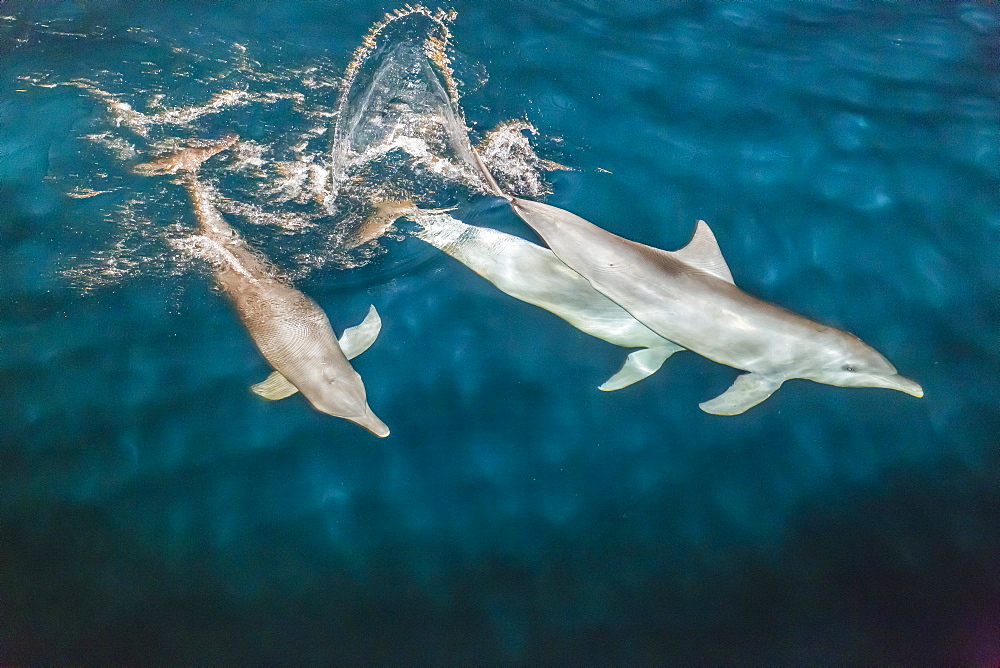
(185, 159)
(535, 275)
(688, 297)
(290, 329)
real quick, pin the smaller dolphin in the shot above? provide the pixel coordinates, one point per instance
(535, 275)
(185, 159)
(290, 329)
(380, 222)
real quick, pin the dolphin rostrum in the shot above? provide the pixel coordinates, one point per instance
(688, 297)
(535, 275)
(289, 328)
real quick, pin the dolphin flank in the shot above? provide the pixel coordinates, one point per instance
(289, 328)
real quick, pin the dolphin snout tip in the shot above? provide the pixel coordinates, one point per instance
(910, 387)
(371, 422)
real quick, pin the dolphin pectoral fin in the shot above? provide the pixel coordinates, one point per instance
(275, 387)
(356, 340)
(638, 365)
(749, 390)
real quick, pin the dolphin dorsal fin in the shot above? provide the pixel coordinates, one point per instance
(702, 252)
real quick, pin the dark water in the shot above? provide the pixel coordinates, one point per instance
(847, 155)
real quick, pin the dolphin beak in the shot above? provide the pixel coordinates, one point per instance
(370, 422)
(897, 382)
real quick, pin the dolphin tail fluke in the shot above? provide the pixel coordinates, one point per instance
(749, 390)
(638, 365)
(356, 340)
(371, 422)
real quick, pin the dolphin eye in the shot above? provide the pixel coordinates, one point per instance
(847, 367)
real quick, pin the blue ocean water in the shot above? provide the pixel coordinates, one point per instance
(847, 156)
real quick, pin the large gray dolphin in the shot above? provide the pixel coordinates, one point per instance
(688, 297)
(533, 274)
(289, 328)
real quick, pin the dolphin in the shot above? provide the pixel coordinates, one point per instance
(287, 326)
(380, 222)
(535, 275)
(689, 298)
(185, 159)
